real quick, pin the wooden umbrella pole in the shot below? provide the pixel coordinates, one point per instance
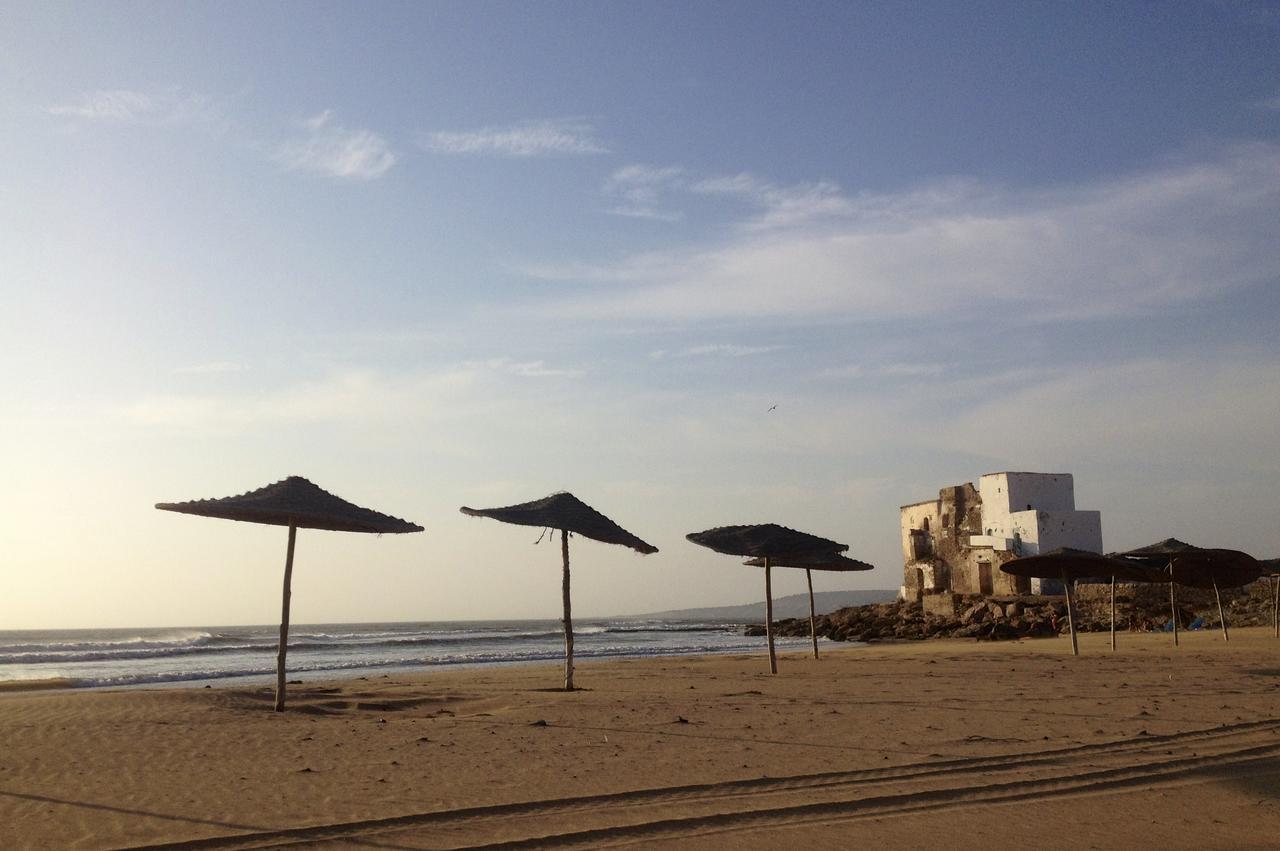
(1113, 614)
(813, 623)
(1071, 615)
(1275, 606)
(768, 617)
(284, 619)
(1221, 617)
(568, 614)
(1173, 603)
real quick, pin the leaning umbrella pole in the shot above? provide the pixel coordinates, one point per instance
(285, 597)
(813, 621)
(768, 617)
(1271, 570)
(1173, 602)
(1071, 613)
(1113, 614)
(568, 612)
(1221, 617)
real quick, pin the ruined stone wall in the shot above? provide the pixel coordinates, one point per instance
(1146, 606)
(920, 516)
(959, 516)
(947, 562)
(984, 618)
(921, 572)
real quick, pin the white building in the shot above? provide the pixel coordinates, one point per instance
(957, 542)
(1032, 513)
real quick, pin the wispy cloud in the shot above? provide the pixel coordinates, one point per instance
(911, 370)
(525, 139)
(639, 191)
(780, 205)
(1272, 103)
(370, 397)
(210, 368)
(525, 369)
(728, 350)
(330, 148)
(108, 105)
(347, 396)
(655, 192)
(1133, 409)
(847, 371)
(171, 105)
(886, 370)
(539, 369)
(1163, 237)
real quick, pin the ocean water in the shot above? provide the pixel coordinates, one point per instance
(244, 654)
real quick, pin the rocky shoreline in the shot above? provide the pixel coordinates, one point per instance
(1138, 608)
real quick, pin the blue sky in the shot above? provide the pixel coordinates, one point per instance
(471, 253)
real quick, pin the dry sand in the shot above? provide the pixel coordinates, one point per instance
(949, 744)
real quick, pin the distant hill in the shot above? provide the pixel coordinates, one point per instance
(791, 606)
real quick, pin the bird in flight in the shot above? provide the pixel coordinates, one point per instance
(774, 408)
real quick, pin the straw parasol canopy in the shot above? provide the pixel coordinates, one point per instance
(1070, 565)
(1198, 567)
(765, 540)
(565, 512)
(832, 562)
(1160, 554)
(1216, 568)
(768, 542)
(297, 503)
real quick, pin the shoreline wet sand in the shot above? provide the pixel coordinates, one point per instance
(949, 742)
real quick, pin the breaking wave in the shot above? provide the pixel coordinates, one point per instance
(147, 657)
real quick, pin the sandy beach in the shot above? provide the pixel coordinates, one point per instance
(944, 744)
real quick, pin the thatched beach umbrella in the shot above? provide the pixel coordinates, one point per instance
(1199, 567)
(1217, 569)
(565, 512)
(1069, 565)
(772, 543)
(296, 503)
(1161, 555)
(833, 561)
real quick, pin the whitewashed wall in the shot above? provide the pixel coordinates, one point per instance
(1004, 494)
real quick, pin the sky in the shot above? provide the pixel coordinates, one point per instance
(468, 253)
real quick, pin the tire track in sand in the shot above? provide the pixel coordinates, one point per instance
(665, 812)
